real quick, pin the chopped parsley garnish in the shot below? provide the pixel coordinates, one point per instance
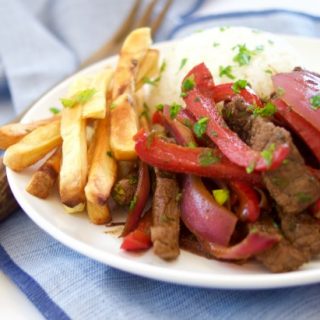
(159, 107)
(191, 144)
(182, 63)
(145, 112)
(216, 44)
(244, 55)
(268, 110)
(188, 84)
(267, 154)
(151, 82)
(113, 106)
(238, 85)
(226, 71)
(54, 110)
(221, 196)
(200, 127)
(303, 197)
(109, 154)
(250, 168)
(222, 29)
(163, 66)
(280, 92)
(133, 180)
(174, 110)
(133, 203)
(315, 102)
(269, 71)
(207, 158)
(80, 98)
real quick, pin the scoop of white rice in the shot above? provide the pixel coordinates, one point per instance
(218, 47)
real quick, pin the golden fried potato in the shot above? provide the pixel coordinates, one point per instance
(33, 146)
(98, 214)
(103, 167)
(43, 180)
(73, 173)
(12, 133)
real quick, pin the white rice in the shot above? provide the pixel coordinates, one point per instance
(276, 56)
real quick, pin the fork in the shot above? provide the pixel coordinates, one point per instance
(8, 203)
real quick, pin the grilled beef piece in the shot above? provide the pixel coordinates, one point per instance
(166, 216)
(292, 185)
(124, 190)
(303, 231)
(283, 256)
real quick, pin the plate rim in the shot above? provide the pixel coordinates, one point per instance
(181, 277)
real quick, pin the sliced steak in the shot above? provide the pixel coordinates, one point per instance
(124, 189)
(166, 216)
(292, 185)
(303, 231)
(283, 256)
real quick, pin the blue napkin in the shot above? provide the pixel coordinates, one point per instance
(41, 42)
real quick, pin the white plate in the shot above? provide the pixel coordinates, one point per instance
(79, 234)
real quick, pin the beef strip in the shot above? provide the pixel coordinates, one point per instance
(124, 189)
(291, 185)
(283, 256)
(166, 216)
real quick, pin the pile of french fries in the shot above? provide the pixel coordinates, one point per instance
(107, 104)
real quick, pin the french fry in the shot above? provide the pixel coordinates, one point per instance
(43, 180)
(102, 174)
(95, 108)
(33, 146)
(124, 123)
(149, 67)
(10, 134)
(73, 173)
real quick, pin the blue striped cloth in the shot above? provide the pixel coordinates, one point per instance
(41, 42)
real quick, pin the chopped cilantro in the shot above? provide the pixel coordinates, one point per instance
(269, 71)
(238, 85)
(315, 101)
(268, 110)
(133, 203)
(200, 126)
(207, 158)
(267, 154)
(54, 110)
(80, 98)
(250, 168)
(226, 71)
(151, 82)
(183, 94)
(191, 144)
(109, 154)
(182, 63)
(244, 55)
(174, 110)
(303, 197)
(163, 66)
(145, 112)
(159, 107)
(113, 106)
(216, 44)
(188, 84)
(221, 196)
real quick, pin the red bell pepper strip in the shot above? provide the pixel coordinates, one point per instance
(303, 128)
(172, 157)
(248, 209)
(140, 238)
(200, 105)
(254, 243)
(224, 91)
(298, 87)
(139, 200)
(203, 216)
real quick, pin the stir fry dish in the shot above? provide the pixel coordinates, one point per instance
(225, 174)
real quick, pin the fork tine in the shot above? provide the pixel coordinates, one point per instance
(144, 20)
(158, 21)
